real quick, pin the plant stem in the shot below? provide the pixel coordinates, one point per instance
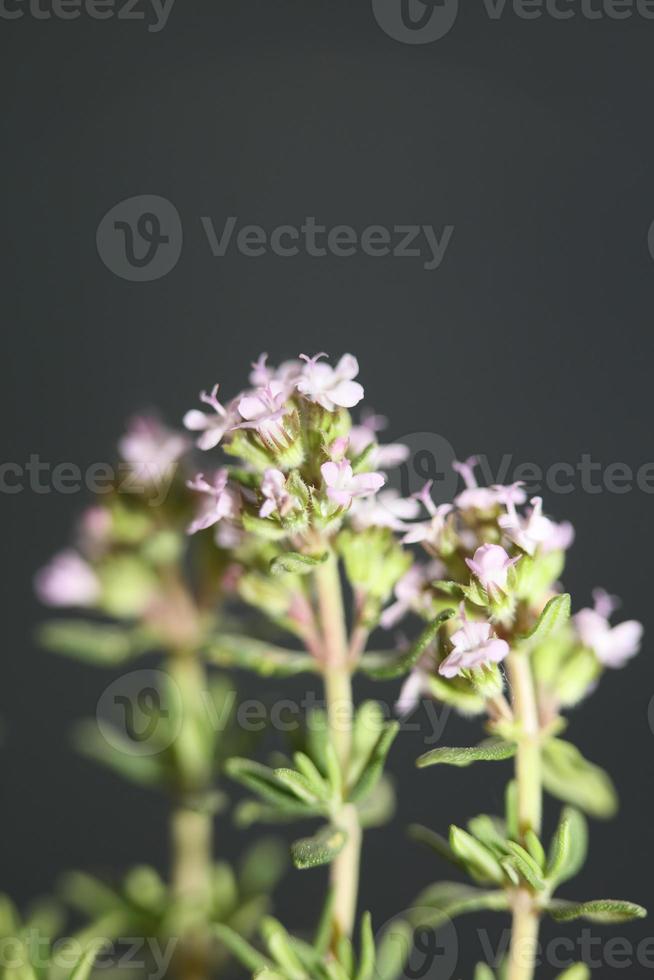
(524, 934)
(191, 828)
(338, 692)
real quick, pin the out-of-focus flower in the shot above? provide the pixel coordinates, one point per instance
(94, 531)
(331, 387)
(67, 580)
(475, 645)
(273, 488)
(384, 456)
(535, 531)
(150, 449)
(490, 564)
(414, 686)
(343, 486)
(386, 509)
(213, 427)
(475, 497)
(613, 646)
(221, 500)
(286, 374)
(428, 532)
(410, 594)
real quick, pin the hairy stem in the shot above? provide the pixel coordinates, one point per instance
(524, 935)
(338, 692)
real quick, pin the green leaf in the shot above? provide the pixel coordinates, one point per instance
(599, 910)
(261, 867)
(263, 658)
(579, 971)
(525, 865)
(445, 900)
(299, 786)
(375, 765)
(423, 835)
(84, 965)
(246, 954)
(322, 848)
(568, 846)
(555, 615)
(280, 946)
(571, 778)
(398, 666)
(323, 935)
(119, 756)
(295, 563)
(366, 967)
(486, 752)
(535, 849)
(483, 972)
(394, 950)
(511, 808)
(261, 780)
(476, 857)
(91, 642)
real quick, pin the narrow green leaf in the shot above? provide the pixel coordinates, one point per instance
(246, 954)
(526, 865)
(96, 643)
(324, 931)
(568, 847)
(281, 949)
(535, 849)
(298, 785)
(399, 666)
(295, 563)
(423, 835)
(322, 848)
(483, 972)
(84, 965)
(394, 950)
(375, 765)
(573, 779)
(477, 858)
(260, 779)
(555, 615)
(579, 971)
(366, 967)
(598, 910)
(447, 899)
(486, 752)
(265, 659)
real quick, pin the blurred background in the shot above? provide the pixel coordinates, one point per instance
(529, 340)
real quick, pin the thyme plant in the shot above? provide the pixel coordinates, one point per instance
(280, 552)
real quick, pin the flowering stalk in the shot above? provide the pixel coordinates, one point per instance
(524, 933)
(338, 691)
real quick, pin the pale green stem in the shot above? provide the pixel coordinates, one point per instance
(524, 933)
(338, 693)
(191, 827)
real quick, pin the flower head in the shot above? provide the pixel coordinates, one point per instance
(428, 532)
(331, 387)
(475, 645)
(277, 498)
(220, 500)
(150, 449)
(475, 497)
(342, 484)
(386, 509)
(613, 646)
(286, 374)
(67, 580)
(364, 435)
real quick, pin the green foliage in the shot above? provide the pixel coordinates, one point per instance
(312, 784)
(398, 666)
(605, 910)
(491, 751)
(263, 658)
(553, 617)
(31, 953)
(570, 777)
(296, 563)
(94, 642)
(445, 900)
(579, 971)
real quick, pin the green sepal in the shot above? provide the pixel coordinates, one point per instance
(322, 848)
(598, 910)
(398, 666)
(573, 779)
(555, 615)
(490, 751)
(263, 527)
(295, 563)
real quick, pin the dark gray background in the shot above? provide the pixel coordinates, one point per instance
(533, 138)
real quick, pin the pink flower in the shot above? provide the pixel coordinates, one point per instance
(263, 409)
(343, 486)
(475, 645)
(221, 501)
(330, 387)
(386, 509)
(287, 373)
(94, 531)
(213, 427)
(490, 564)
(273, 488)
(410, 592)
(385, 457)
(536, 531)
(475, 497)
(150, 449)
(412, 690)
(428, 532)
(613, 646)
(67, 580)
